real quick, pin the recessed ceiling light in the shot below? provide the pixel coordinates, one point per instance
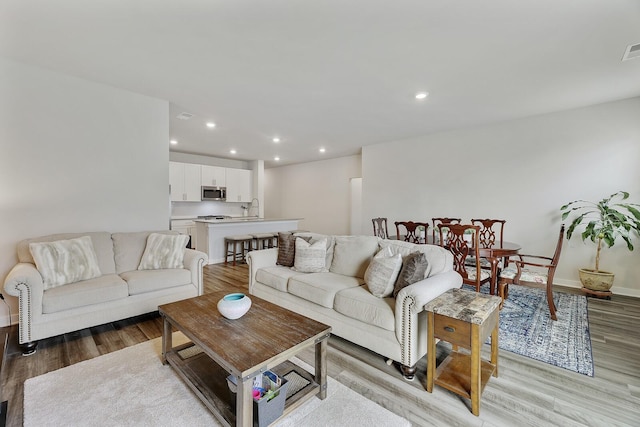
(422, 95)
(233, 151)
(211, 125)
(322, 150)
(276, 158)
(173, 142)
(276, 139)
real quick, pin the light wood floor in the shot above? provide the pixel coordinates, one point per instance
(527, 393)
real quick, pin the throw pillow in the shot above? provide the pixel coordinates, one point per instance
(164, 251)
(65, 261)
(413, 269)
(310, 257)
(287, 248)
(382, 273)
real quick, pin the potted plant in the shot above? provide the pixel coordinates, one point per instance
(606, 222)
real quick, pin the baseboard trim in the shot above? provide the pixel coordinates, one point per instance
(617, 290)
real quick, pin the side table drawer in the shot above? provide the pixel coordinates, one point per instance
(452, 330)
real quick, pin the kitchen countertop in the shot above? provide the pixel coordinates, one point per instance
(244, 219)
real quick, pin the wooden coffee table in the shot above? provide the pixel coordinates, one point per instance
(263, 339)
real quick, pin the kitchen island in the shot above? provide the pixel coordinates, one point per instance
(211, 232)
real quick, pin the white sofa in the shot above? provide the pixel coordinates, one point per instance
(121, 291)
(393, 327)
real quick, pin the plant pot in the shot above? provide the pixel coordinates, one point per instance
(594, 280)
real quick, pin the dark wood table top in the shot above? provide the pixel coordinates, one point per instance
(265, 332)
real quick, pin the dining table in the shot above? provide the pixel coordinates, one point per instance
(493, 253)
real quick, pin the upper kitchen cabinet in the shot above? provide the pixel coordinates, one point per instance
(184, 179)
(213, 176)
(239, 185)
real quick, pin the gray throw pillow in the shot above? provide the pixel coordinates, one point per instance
(287, 248)
(413, 269)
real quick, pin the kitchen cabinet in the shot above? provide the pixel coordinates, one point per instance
(185, 182)
(213, 176)
(239, 185)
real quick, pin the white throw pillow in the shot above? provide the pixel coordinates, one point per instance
(163, 251)
(310, 257)
(382, 272)
(65, 261)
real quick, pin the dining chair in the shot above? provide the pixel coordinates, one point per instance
(462, 245)
(436, 221)
(380, 228)
(490, 232)
(534, 270)
(411, 231)
(489, 228)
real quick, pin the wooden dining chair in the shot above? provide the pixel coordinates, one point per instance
(490, 234)
(532, 270)
(380, 228)
(436, 221)
(409, 231)
(462, 248)
(490, 231)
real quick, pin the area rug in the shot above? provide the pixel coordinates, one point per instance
(131, 387)
(526, 328)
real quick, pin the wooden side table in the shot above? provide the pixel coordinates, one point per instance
(464, 319)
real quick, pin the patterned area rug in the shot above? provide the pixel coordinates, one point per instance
(527, 329)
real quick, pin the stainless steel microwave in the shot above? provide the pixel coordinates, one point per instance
(214, 193)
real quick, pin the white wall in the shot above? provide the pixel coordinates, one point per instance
(318, 191)
(521, 171)
(77, 156)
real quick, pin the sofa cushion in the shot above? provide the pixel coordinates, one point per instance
(65, 261)
(321, 288)
(102, 245)
(352, 255)
(143, 281)
(129, 247)
(439, 259)
(358, 303)
(276, 277)
(310, 257)
(413, 270)
(163, 251)
(102, 289)
(382, 273)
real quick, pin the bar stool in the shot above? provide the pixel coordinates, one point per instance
(263, 240)
(231, 247)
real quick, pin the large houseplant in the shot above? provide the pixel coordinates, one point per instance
(607, 221)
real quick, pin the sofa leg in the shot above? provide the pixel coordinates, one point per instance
(28, 348)
(409, 372)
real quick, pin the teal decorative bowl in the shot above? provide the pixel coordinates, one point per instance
(234, 306)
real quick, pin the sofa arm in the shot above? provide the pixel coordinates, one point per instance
(25, 282)
(194, 261)
(410, 302)
(260, 259)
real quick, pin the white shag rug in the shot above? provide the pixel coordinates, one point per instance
(131, 387)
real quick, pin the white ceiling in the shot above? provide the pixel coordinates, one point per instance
(338, 74)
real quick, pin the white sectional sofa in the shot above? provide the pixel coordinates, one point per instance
(393, 327)
(121, 291)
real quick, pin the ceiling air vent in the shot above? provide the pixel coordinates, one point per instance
(633, 51)
(184, 116)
